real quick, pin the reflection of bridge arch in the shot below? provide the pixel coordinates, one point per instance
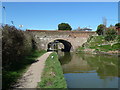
(67, 44)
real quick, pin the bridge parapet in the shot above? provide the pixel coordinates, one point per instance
(62, 33)
(76, 38)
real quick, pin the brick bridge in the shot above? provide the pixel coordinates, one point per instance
(71, 40)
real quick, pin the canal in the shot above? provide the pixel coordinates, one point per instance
(89, 71)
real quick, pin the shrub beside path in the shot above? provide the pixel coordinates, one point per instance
(32, 76)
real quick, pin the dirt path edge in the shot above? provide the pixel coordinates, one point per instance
(32, 76)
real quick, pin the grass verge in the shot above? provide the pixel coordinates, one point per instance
(52, 76)
(10, 76)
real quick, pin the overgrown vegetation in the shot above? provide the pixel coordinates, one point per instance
(18, 51)
(100, 44)
(52, 76)
(100, 29)
(15, 45)
(110, 34)
(108, 39)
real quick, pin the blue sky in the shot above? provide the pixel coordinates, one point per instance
(47, 15)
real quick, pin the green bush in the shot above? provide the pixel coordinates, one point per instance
(18, 52)
(117, 25)
(118, 38)
(15, 45)
(116, 46)
(100, 29)
(110, 35)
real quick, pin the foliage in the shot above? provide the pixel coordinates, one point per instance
(52, 76)
(93, 41)
(64, 26)
(15, 45)
(116, 46)
(100, 44)
(100, 29)
(118, 38)
(117, 25)
(110, 34)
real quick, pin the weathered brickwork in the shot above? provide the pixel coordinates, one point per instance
(44, 37)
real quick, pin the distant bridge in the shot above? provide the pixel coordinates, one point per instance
(70, 39)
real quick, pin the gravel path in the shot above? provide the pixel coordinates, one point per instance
(32, 76)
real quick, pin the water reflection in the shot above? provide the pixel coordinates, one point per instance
(64, 57)
(82, 69)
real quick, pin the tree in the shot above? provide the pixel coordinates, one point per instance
(100, 29)
(117, 25)
(110, 34)
(64, 26)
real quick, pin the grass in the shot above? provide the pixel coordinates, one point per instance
(80, 48)
(52, 76)
(107, 48)
(96, 42)
(116, 46)
(10, 76)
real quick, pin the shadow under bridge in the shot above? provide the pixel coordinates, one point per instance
(59, 44)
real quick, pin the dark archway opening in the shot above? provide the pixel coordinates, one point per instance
(52, 46)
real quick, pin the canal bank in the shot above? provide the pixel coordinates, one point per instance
(52, 76)
(98, 45)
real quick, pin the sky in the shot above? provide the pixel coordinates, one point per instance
(59, 0)
(47, 15)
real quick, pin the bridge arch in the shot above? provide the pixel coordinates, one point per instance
(67, 45)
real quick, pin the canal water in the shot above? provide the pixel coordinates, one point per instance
(89, 71)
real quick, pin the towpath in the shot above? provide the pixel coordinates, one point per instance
(32, 76)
